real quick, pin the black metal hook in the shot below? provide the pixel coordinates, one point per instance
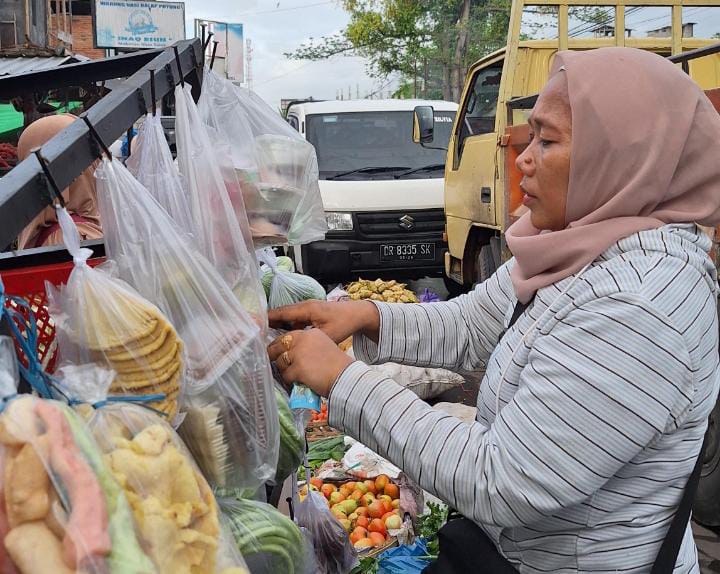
(207, 41)
(51, 180)
(152, 92)
(212, 58)
(96, 137)
(179, 67)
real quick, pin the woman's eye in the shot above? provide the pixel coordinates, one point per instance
(544, 143)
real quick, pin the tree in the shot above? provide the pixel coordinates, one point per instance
(430, 43)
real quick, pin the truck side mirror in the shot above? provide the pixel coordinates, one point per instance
(423, 124)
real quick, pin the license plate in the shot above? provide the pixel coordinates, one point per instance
(407, 252)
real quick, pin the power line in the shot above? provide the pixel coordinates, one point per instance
(288, 9)
(287, 73)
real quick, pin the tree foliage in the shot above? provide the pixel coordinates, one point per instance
(430, 43)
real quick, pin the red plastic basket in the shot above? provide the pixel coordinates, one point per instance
(29, 283)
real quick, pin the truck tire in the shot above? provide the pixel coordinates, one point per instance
(485, 264)
(706, 507)
(454, 288)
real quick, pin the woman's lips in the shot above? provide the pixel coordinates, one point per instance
(527, 197)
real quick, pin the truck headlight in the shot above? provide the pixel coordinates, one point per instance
(339, 221)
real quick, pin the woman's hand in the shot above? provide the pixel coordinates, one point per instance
(337, 320)
(309, 357)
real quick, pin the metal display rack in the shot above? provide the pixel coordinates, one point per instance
(28, 188)
(139, 81)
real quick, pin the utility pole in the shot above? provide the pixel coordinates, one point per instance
(415, 79)
(357, 91)
(425, 77)
(248, 63)
(349, 92)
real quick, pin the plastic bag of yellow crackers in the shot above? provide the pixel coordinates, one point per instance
(173, 506)
(101, 319)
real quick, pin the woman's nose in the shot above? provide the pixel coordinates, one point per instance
(524, 162)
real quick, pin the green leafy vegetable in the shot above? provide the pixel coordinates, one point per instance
(368, 565)
(429, 524)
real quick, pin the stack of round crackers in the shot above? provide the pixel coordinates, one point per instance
(141, 346)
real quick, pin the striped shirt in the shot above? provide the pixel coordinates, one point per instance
(604, 386)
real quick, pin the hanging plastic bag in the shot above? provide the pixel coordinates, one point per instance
(276, 168)
(287, 287)
(8, 390)
(65, 512)
(216, 225)
(152, 165)
(270, 542)
(231, 420)
(333, 550)
(99, 318)
(177, 515)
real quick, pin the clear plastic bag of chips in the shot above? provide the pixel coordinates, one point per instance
(230, 418)
(177, 516)
(102, 319)
(276, 168)
(64, 511)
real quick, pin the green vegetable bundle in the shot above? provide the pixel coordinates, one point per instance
(292, 443)
(283, 263)
(322, 450)
(269, 542)
(284, 287)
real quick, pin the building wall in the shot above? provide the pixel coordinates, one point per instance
(82, 37)
(37, 25)
(82, 32)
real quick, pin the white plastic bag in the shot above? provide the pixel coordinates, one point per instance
(426, 383)
(152, 165)
(286, 287)
(231, 420)
(276, 168)
(216, 220)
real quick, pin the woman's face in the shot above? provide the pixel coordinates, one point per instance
(545, 163)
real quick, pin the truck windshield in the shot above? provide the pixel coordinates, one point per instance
(350, 143)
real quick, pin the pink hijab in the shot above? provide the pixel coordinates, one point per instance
(645, 153)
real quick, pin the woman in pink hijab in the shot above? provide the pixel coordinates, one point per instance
(599, 340)
(80, 197)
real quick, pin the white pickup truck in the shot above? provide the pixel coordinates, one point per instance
(383, 194)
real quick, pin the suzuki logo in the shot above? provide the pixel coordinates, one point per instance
(407, 222)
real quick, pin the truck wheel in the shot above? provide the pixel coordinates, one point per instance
(706, 507)
(454, 288)
(485, 264)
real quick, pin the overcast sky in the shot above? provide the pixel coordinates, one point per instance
(279, 26)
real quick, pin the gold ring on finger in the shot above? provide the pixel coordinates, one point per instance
(286, 341)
